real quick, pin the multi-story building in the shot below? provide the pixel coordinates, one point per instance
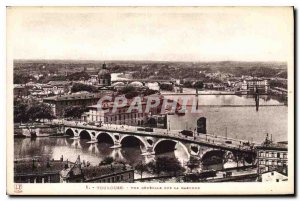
(38, 171)
(272, 157)
(251, 85)
(112, 173)
(120, 115)
(61, 102)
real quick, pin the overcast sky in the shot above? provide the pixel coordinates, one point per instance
(151, 34)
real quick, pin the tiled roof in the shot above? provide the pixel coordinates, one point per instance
(40, 167)
(93, 172)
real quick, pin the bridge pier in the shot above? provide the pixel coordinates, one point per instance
(148, 151)
(152, 144)
(93, 140)
(116, 145)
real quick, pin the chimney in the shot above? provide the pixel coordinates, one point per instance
(62, 158)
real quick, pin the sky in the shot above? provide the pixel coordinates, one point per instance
(166, 34)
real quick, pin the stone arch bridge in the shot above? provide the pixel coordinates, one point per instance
(154, 143)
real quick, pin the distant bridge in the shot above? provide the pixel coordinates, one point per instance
(162, 140)
(216, 94)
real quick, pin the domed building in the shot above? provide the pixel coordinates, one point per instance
(104, 76)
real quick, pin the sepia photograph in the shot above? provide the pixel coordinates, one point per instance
(150, 100)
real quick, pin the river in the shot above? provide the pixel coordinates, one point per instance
(240, 122)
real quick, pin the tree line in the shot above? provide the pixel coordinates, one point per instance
(25, 112)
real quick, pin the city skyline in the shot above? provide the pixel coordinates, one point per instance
(172, 34)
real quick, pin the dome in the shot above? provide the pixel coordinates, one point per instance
(136, 84)
(104, 72)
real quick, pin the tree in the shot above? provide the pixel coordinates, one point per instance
(22, 78)
(83, 87)
(107, 160)
(166, 86)
(148, 92)
(141, 167)
(39, 111)
(198, 85)
(74, 111)
(166, 164)
(129, 92)
(20, 111)
(78, 76)
(25, 112)
(188, 84)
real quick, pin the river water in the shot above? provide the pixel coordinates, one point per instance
(241, 122)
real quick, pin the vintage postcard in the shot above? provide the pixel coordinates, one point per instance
(150, 100)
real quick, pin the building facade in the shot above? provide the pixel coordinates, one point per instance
(272, 158)
(61, 102)
(36, 171)
(106, 114)
(251, 85)
(112, 173)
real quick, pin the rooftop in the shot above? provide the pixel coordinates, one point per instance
(38, 167)
(59, 82)
(273, 146)
(76, 96)
(93, 172)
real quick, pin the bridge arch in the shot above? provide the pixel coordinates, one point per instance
(165, 145)
(132, 140)
(70, 132)
(104, 137)
(85, 135)
(213, 156)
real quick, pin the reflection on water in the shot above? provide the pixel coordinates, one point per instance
(241, 122)
(236, 100)
(94, 153)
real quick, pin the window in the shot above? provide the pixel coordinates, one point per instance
(277, 180)
(278, 155)
(272, 173)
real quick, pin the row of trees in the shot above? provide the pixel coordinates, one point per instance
(22, 78)
(74, 111)
(77, 87)
(31, 112)
(196, 85)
